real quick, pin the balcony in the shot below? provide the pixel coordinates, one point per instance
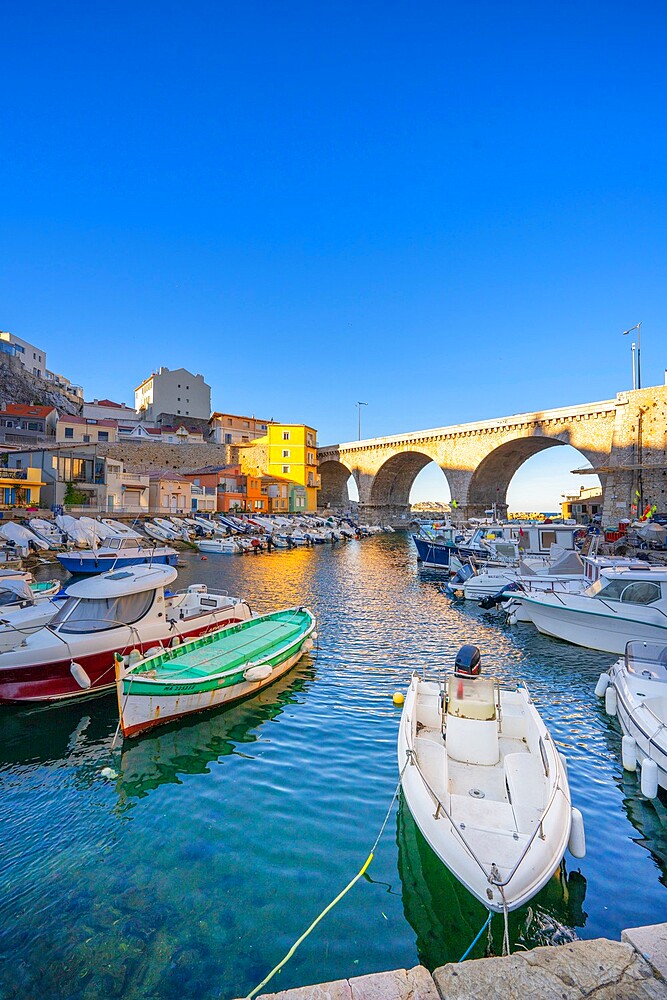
(13, 473)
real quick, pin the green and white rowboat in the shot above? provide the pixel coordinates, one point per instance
(215, 669)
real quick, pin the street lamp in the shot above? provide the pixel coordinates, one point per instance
(359, 405)
(636, 382)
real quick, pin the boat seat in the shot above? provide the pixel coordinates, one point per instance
(432, 758)
(524, 776)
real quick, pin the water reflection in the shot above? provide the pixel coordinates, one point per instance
(446, 917)
(193, 744)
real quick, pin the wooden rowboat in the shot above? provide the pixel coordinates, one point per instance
(215, 669)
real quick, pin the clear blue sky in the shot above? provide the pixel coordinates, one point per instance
(448, 210)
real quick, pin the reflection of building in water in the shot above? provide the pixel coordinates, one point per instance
(446, 917)
(649, 818)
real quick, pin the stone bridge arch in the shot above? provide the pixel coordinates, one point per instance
(333, 493)
(387, 494)
(489, 481)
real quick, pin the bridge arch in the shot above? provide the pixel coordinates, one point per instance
(391, 484)
(490, 481)
(334, 476)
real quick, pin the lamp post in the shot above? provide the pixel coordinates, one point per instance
(636, 382)
(359, 405)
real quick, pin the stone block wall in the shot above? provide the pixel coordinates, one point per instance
(139, 456)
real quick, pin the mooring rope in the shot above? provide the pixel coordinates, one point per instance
(476, 939)
(343, 892)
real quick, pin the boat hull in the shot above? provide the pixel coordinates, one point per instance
(638, 721)
(53, 681)
(80, 565)
(433, 555)
(593, 629)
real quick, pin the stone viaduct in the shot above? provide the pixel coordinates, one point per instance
(625, 440)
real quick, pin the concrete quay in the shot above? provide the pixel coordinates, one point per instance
(634, 968)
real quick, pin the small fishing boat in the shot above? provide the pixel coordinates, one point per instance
(121, 529)
(635, 690)
(115, 553)
(224, 545)
(485, 784)
(159, 533)
(47, 531)
(127, 611)
(216, 669)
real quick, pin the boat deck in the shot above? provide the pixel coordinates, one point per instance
(229, 650)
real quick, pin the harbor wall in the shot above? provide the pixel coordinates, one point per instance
(634, 968)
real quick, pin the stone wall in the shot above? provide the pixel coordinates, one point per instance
(139, 456)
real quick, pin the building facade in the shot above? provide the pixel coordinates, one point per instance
(229, 428)
(292, 455)
(582, 507)
(176, 392)
(32, 358)
(107, 409)
(170, 493)
(20, 487)
(22, 426)
(85, 430)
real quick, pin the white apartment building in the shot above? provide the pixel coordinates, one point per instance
(107, 409)
(32, 358)
(178, 392)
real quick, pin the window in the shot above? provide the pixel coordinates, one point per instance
(627, 591)
(178, 411)
(86, 438)
(311, 458)
(103, 436)
(33, 426)
(179, 385)
(285, 435)
(547, 539)
(79, 615)
(178, 399)
(285, 469)
(69, 432)
(285, 452)
(228, 438)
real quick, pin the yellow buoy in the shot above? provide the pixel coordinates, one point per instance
(398, 698)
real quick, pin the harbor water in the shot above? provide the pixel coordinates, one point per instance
(188, 861)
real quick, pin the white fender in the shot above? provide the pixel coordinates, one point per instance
(610, 700)
(80, 675)
(577, 842)
(258, 673)
(629, 753)
(649, 778)
(308, 645)
(602, 685)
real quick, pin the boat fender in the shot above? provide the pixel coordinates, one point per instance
(610, 700)
(629, 753)
(602, 685)
(649, 778)
(175, 641)
(308, 644)
(258, 673)
(134, 656)
(315, 636)
(153, 651)
(80, 675)
(577, 842)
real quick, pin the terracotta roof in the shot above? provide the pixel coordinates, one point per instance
(22, 410)
(91, 421)
(168, 474)
(108, 402)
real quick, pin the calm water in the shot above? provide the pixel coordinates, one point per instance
(194, 870)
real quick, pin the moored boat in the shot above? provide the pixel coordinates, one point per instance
(116, 553)
(635, 690)
(485, 784)
(216, 669)
(125, 611)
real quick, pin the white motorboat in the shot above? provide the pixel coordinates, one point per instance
(635, 690)
(220, 545)
(25, 608)
(160, 534)
(126, 611)
(79, 534)
(567, 567)
(486, 784)
(22, 537)
(624, 604)
(47, 531)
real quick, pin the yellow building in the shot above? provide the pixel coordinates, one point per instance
(20, 487)
(292, 454)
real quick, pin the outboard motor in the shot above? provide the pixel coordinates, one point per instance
(505, 594)
(468, 662)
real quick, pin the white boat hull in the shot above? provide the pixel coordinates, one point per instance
(587, 622)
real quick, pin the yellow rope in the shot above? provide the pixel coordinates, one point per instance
(314, 924)
(362, 871)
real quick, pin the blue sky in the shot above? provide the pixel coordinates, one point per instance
(450, 211)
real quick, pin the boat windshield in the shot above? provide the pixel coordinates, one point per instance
(471, 697)
(625, 590)
(80, 614)
(647, 660)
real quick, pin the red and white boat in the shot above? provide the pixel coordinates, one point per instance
(123, 611)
